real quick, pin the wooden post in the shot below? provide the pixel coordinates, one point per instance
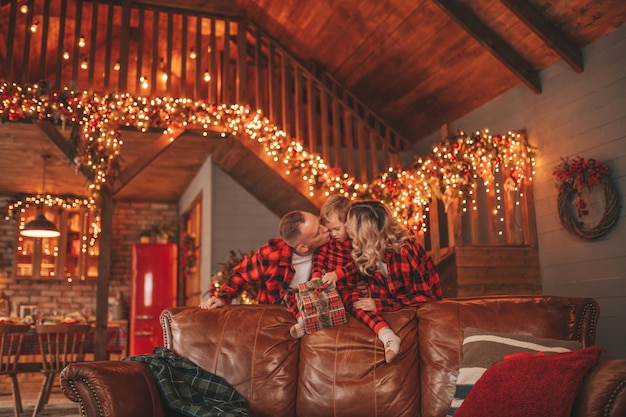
(104, 272)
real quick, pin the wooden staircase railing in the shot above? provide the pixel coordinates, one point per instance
(152, 51)
(351, 138)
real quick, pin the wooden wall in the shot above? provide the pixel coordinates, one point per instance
(239, 221)
(577, 114)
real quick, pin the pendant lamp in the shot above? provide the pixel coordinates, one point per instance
(40, 226)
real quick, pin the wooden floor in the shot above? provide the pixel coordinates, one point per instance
(58, 406)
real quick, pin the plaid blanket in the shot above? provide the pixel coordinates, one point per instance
(189, 389)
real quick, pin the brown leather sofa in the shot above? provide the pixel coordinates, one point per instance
(341, 371)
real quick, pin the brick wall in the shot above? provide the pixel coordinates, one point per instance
(59, 295)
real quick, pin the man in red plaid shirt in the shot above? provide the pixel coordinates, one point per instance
(279, 265)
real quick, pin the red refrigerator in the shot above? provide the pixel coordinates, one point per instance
(153, 289)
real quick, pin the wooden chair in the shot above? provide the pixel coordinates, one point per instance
(11, 337)
(60, 345)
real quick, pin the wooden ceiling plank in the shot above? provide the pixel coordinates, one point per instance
(162, 143)
(549, 33)
(467, 19)
(61, 143)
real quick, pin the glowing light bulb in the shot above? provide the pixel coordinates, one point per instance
(66, 55)
(207, 75)
(192, 54)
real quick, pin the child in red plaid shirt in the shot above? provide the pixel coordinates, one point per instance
(333, 257)
(400, 273)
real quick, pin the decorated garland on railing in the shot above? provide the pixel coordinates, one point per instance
(452, 170)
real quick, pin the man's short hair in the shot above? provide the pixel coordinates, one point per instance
(289, 226)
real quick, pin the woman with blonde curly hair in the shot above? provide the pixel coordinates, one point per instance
(399, 271)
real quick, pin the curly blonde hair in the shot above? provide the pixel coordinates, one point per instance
(374, 232)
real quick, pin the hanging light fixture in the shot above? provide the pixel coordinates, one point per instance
(40, 226)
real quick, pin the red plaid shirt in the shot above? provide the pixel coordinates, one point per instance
(412, 280)
(270, 266)
(335, 257)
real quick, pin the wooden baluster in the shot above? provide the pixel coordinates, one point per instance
(271, 113)
(312, 93)
(373, 144)
(226, 94)
(214, 83)
(324, 124)
(93, 42)
(349, 137)
(297, 105)
(258, 70)
(242, 66)
(337, 134)
(360, 137)
(285, 95)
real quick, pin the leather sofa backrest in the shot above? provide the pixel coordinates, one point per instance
(340, 371)
(343, 371)
(441, 325)
(249, 346)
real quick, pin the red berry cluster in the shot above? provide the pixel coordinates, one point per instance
(575, 173)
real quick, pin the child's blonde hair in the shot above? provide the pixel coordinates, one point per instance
(376, 232)
(335, 204)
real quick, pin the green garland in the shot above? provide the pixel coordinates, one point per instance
(452, 170)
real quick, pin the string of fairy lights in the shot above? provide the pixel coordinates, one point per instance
(453, 170)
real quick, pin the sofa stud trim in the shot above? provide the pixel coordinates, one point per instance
(613, 397)
(77, 398)
(583, 318)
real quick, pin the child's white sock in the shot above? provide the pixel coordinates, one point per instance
(391, 342)
(297, 330)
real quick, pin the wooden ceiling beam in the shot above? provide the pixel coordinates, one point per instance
(155, 149)
(550, 34)
(52, 133)
(467, 19)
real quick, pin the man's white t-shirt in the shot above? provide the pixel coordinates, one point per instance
(303, 266)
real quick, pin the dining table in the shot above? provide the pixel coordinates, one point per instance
(30, 354)
(117, 337)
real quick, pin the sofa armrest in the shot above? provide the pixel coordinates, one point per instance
(112, 389)
(603, 392)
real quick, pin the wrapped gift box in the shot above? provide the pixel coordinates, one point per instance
(320, 305)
